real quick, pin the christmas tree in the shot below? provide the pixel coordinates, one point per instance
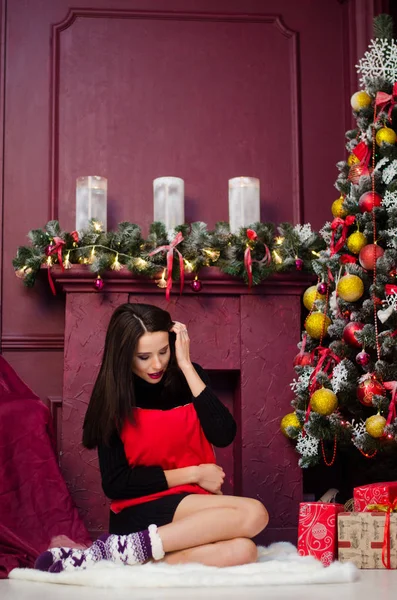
(346, 385)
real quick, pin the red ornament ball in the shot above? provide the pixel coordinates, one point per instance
(299, 264)
(99, 284)
(368, 201)
(196, 285)
(363, 359)
(369, 388)
(48, 250)
(349, 331)
(302, 360)
(369, 255)
(322, 288)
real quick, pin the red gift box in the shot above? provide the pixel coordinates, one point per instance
(375, 493)
(317, 535)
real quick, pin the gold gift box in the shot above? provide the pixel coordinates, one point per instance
(361, 539)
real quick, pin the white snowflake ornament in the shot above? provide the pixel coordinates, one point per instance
(381, 163)
(301, 384)
(389, 200)
(390, 172)
(326, 232)
(392, 237)
(339, 377)
(307, 445)
(304, 232)
(380, 60)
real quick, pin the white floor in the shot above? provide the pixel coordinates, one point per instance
(372, 584)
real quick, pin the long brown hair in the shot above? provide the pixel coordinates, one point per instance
(113, 394)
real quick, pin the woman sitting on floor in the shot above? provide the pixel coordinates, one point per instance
(155, 420)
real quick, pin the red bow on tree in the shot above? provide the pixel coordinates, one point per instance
(248, 260)
(390, 288)
(170, 259)
(392, 386)
(325, 359)
(346, 258)
(345, 224)
(363, 153)
(382, 100)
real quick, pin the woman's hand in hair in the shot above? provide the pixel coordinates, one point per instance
(182, 345)
(211, 478)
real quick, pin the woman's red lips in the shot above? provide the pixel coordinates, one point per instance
(156, 375)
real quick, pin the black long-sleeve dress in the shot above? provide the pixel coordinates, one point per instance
(121, 481)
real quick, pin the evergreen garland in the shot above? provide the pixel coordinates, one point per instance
(126, 248)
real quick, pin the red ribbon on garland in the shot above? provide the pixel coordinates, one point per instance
(392, 386)
(345, 224)
(169, 248)
(388, 508)
(248, 260)
(382, 100)
(55, 248)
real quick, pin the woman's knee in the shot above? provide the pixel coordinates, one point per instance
(243, 551)
(256, 518)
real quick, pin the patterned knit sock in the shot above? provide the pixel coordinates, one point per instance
(132, 549)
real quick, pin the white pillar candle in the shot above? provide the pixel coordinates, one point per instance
(244, 202)
(169, 201)
(91, 201)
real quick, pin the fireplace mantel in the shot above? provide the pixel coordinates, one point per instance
(245, 338)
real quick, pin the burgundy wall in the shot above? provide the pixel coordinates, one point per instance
(202, 89)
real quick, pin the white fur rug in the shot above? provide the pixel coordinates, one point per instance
(278, 564)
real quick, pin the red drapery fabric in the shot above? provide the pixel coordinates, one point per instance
(35, 504)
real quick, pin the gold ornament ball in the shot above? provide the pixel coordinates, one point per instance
(290, 420)
(352, 160)
(386, 134)
(324, 401)
(375, 426)
(360, 100)
(314, 324)
(356, 241)
(337, 209)
(350, 288)
(310, 295)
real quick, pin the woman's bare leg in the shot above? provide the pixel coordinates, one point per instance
(239, 551)
(201, 520)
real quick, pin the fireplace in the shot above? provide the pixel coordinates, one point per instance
(246, 340)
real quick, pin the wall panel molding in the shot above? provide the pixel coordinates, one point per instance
(276, 20)
(32, 342)
(3, 29)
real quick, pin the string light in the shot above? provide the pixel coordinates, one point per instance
(97, 226)
(66, 263)
(92, 256)
(140, 263)
(116, 266)
(22, 272)
(212, 254)
(161, 283)
(279, 240)
(49, 261)
(315, 253)
(277, 258)
(188, 266)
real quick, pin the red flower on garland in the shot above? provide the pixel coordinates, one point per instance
(252, 235)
